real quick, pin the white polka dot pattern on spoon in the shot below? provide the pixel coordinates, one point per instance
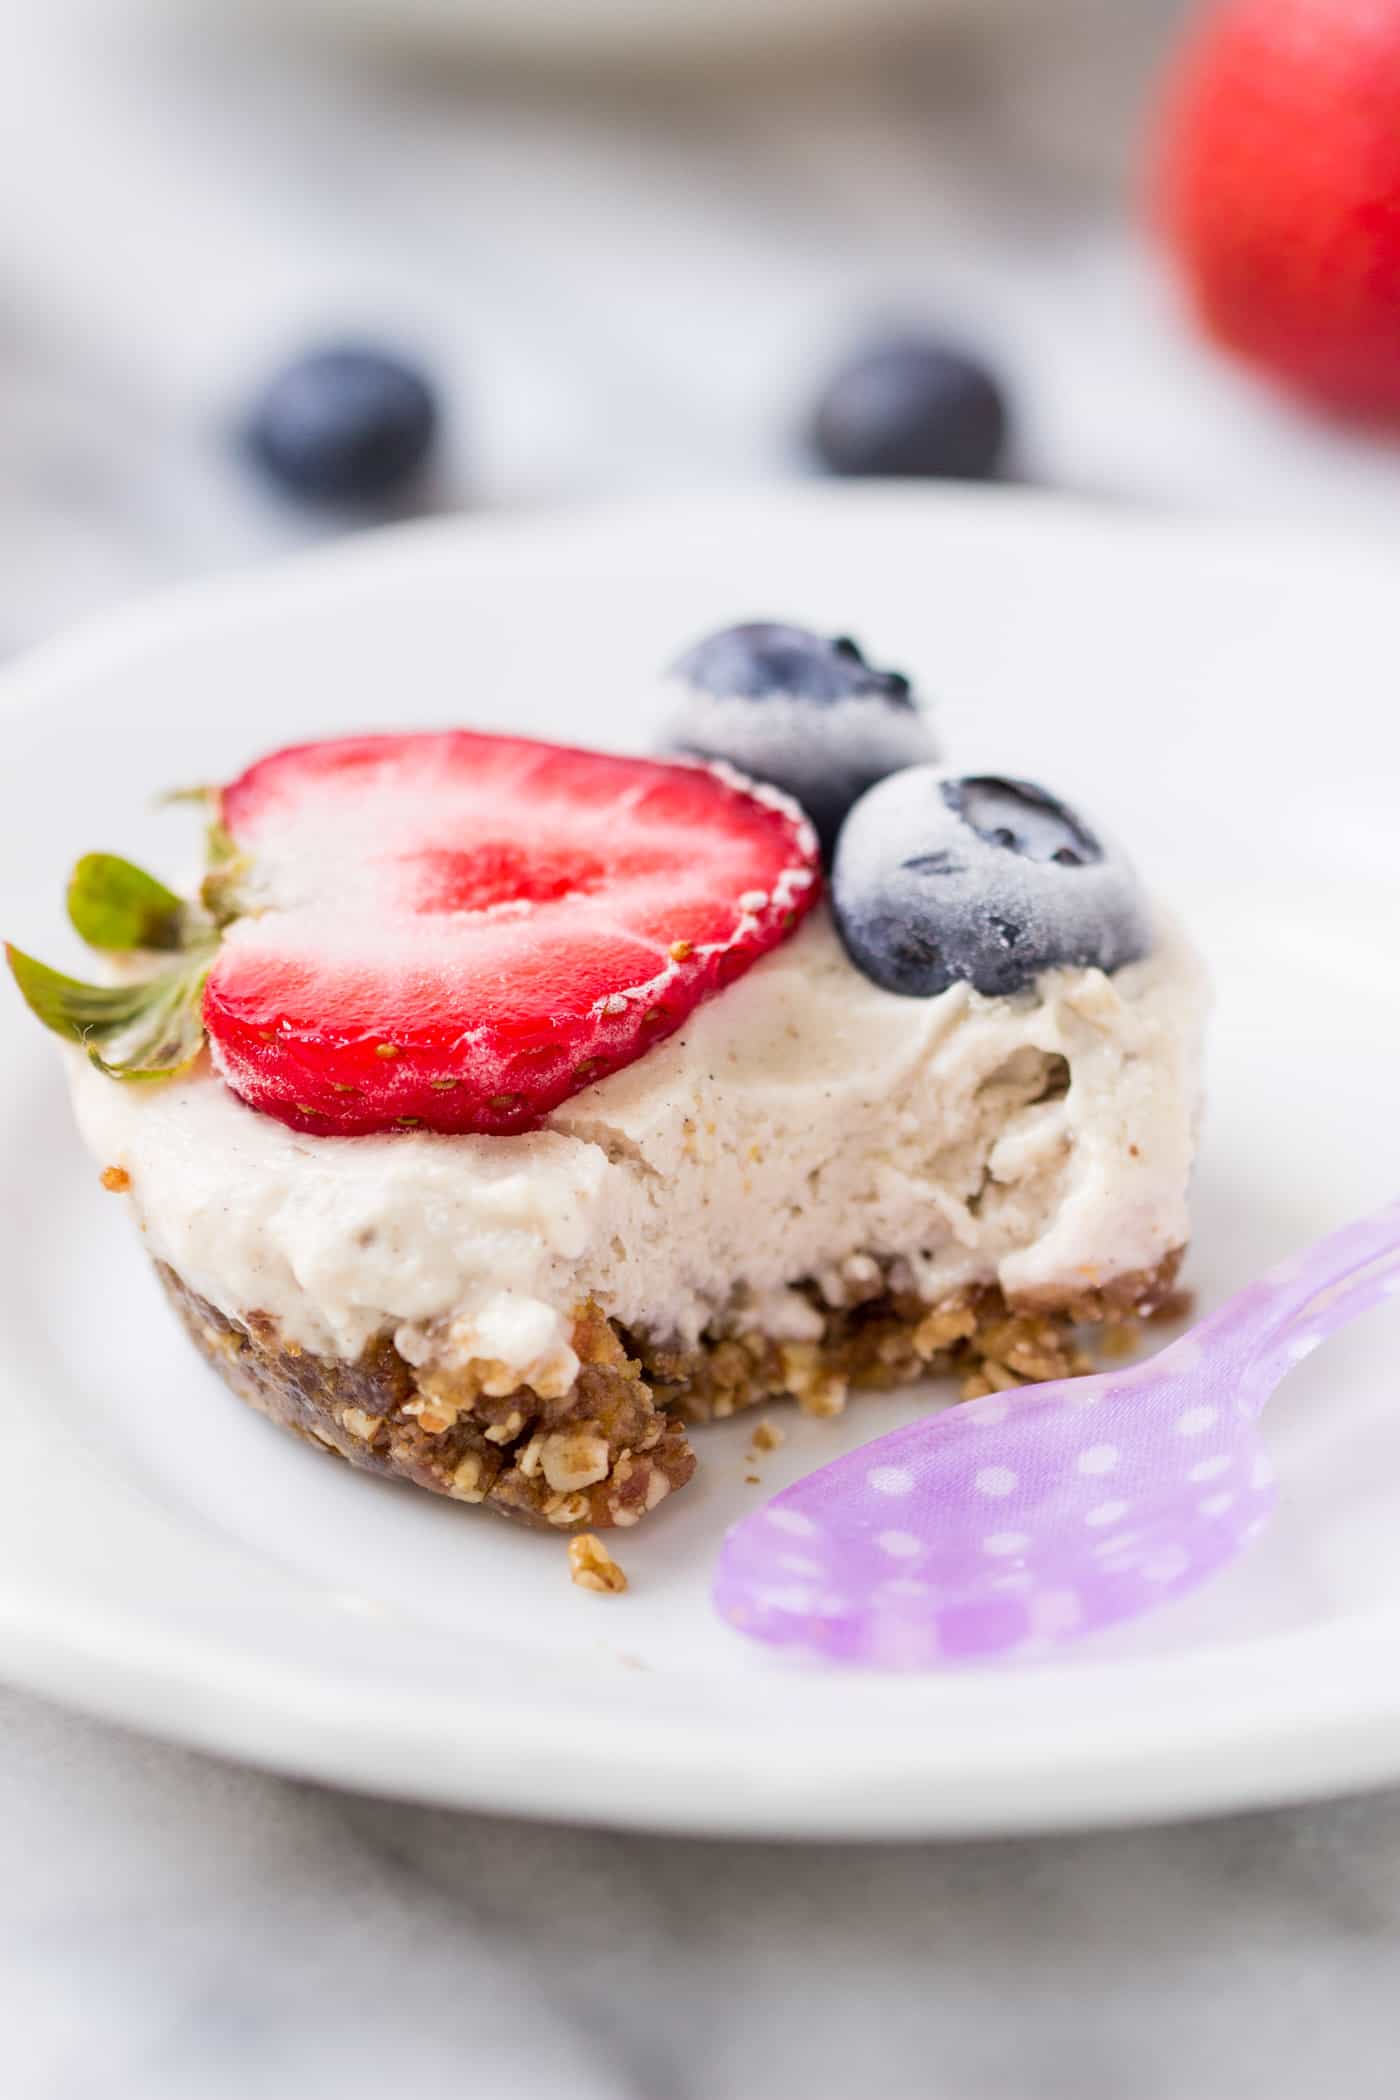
(793, 1522)
(1099, 1458)
(773, 1597)
(900, 1545)
(1053, 1614)
(1210, 1468)
(1005, 1542)
(902, 1644)
(995, 1481)
(1121, 1542)
(1195, 1421)
(1105, 1513)
(891, 1480)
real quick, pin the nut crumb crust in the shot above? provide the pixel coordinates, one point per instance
(613, 1447)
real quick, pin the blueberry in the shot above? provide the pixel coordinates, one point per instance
(763, 658)
(943, 878)
(348, 425)
(804, 712)
(911, 406)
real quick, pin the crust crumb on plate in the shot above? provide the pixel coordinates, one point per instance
(116, 1179)
(592, 1567)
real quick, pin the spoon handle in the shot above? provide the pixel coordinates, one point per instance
(1274, 1323)
(1300, 1332)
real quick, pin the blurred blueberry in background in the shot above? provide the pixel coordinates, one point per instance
(911, 405)
(350, 424)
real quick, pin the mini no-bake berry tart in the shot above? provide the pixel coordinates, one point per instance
(498, 1109)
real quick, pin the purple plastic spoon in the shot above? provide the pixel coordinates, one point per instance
(1010, 1524)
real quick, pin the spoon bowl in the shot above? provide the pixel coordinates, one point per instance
(1010, 1524)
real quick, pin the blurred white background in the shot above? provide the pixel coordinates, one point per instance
(621, 275)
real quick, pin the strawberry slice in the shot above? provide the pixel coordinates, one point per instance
(460, 931)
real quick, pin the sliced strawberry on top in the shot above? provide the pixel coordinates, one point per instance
(460, 931)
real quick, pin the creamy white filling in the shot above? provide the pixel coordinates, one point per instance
(802, 1122)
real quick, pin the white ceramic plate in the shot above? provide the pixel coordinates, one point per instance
(1226, 699)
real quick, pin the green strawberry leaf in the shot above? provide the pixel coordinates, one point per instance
(226, 864)
(146, 1030)
(152, 1026)
(167, 1035)
(115, 905)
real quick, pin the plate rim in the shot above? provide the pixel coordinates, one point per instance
(271, 1715)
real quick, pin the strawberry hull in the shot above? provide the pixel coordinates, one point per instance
(457, 932)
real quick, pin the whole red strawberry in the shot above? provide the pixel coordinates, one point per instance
(1278, 185)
